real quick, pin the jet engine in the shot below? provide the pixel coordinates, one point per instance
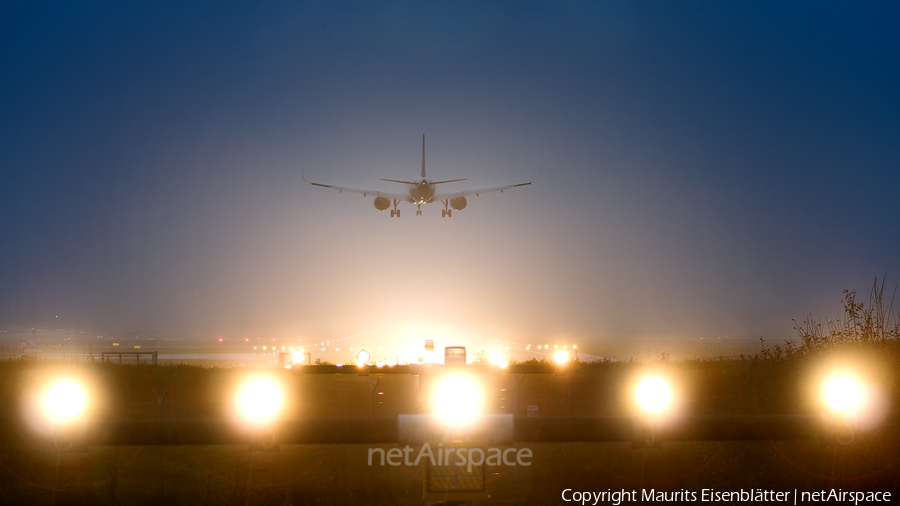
(382, 203)
(458, 203)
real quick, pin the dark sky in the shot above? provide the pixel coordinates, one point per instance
(705, 170)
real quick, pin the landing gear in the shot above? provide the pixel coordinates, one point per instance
(419, 210)
(395, 211)
(446, 212)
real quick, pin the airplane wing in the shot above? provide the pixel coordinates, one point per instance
(445, 196)
(364, 193)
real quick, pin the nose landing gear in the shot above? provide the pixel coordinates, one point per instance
(419, 210)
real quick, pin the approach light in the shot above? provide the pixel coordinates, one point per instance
(362, 357)
(297, 357)
(561, 357)
(64, 401)
(458, 400)
(653, 394)
(260, 400)
(842, 393)
(495, 357)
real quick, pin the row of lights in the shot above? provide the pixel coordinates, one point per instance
(457, 399)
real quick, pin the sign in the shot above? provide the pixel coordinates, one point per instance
(532, 411)
(137, 347)
(115, 344)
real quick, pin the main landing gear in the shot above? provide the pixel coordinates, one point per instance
(446, 212)
(395, 211)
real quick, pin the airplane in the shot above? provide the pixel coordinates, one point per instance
(421, 191)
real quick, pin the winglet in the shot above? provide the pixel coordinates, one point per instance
(423, 155)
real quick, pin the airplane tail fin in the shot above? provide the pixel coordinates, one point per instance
(423, 155)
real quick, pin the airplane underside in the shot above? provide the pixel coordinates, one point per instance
(458, 204)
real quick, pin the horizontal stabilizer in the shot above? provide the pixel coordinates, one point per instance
(398, 181)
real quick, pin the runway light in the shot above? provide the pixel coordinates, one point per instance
(842, 393)
(260, 401)
(362, 356)
(653, 394)
(64, 401)
(562, 357)
(458, 400)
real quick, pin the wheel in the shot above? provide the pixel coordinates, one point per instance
(398, 213)
(449, 213)
(392, 213)
(443, 213)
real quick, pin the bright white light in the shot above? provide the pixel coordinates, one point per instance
(842, 393)
(297, 357)
(653, 394)
(562, 357)
(458, 400)
(503, 364)
(362, 356)
(495, 356)
(260, 400)
(64, 401)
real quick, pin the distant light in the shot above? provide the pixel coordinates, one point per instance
(575, 347)
(220, 340)
(561, 357)
(339, 365)
(503, 364)
(260, 400)
(842, 393)
(64, 401)
(495, 356)
(297, 357)
(363, 356)
(379, 364)
(653, 394)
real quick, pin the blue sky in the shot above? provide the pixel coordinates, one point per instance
(707, 169)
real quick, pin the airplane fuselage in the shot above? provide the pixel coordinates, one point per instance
(422, 192)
